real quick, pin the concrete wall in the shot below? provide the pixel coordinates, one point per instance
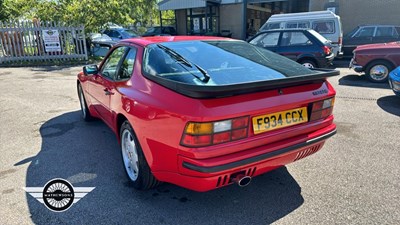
(358, 12)
(181, 27)
(231, 19)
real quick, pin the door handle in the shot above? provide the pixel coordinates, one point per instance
(107, 92)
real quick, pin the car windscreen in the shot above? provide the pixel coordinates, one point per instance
(129, 33)
(351, 33)
(225, 62)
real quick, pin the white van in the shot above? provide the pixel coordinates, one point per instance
(324, 22)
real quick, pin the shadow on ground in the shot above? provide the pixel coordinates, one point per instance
(390, 104)
(356, 80)
(341, 63)
(87, 155)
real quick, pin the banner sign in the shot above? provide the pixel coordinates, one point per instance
(51, 41)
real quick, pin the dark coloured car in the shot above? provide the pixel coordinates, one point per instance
(376, 60)
(304, 46)
(117, 34)
(369, 34)
(160, 31)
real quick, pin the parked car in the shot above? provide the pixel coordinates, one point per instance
(117, 34)
(376, 60)
(304, 46)
(204, 122)
(369, 34)
(160, 31)
(394, 81)
(325, 23)
(100, 44)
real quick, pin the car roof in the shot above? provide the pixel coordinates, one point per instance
(144, 41)
(285, 30)
(377, 25)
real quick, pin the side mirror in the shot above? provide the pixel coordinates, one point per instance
(120, 37)
(90, 70)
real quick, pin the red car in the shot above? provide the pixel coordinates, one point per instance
(376, 60)
(206, 112)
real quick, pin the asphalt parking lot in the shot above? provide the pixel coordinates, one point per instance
(354, 179)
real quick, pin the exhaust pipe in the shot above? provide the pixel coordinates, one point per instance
(242, 180)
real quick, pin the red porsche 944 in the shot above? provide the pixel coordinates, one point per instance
(206, 112)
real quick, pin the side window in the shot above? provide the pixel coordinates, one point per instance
(126, 68)
(324, 27)
(291, 25)
(366, 32)
(110, 66)
(272, 26)
(303, 25)
(397, 31)
(294, 38)
(266, 40)
(297, 25)
(384, 32)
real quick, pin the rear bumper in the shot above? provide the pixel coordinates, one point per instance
(205, 174)
(325, 61)
(258, 158)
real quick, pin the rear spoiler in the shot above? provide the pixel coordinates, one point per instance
(204, 92)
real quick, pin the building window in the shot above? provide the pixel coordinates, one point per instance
(203, 21)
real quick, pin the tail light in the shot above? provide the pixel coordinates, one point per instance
(340, 40)
(322, 109)
(327, 50)
(211, 133)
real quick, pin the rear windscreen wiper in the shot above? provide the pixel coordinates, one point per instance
(186, 62)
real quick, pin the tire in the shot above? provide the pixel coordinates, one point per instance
(134, 162)
(378, 71)
(84, 108)
(308, 63)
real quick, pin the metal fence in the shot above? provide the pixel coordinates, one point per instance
(41, 41)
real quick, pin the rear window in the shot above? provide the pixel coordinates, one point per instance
(225, 62)
(324, 27)
(318, 36)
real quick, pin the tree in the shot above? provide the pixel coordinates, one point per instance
(93, 14)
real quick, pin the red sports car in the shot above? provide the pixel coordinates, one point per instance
(206, 112)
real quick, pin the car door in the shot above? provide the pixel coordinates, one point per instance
(294, 44)
(102, 86)
(385, 34)
(267, 40)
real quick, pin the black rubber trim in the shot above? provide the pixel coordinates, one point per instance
(268, 155)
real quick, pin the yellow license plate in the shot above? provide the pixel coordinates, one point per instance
(278, 120)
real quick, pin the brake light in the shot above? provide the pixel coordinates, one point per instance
(210, 133)
(340, 40)
(327, 50)
(322, 109)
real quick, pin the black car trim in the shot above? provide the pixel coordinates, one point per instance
(196, 91)
(254, 159)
